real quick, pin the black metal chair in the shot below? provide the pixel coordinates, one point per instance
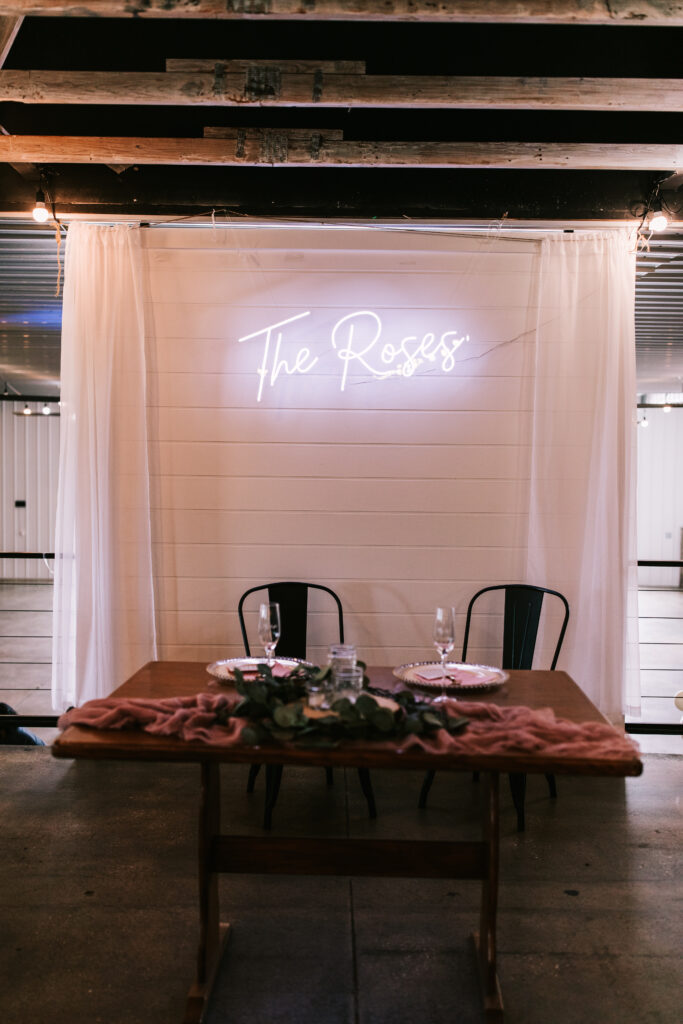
(521, 618)
(293, 600)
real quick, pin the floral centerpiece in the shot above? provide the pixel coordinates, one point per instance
(288, 709)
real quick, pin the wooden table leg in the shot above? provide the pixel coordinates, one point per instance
(212, 934)
(485, 938)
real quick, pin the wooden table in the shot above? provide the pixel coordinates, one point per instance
(269, 854)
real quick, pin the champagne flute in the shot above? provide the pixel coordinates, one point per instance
(444, 634)
(269, 629)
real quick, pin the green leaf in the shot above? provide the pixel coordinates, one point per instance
(383, 720)
(431, 718)
(367, 705)
(343, 707)
(252, 735)
(256, 692)
(287, 715)
(457, 724)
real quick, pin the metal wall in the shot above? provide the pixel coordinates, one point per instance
(29, 459)
(660, 494)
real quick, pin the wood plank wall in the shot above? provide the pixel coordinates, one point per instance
(29, 464)
(400, 494)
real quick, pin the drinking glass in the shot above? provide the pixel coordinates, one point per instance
(342, 655)
(269, 628)
(347, 681)
(444, 633)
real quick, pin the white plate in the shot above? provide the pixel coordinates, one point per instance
(468, 677)
(224, 669)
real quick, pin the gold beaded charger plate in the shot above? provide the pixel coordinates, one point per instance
(458, 676)
(224, 669)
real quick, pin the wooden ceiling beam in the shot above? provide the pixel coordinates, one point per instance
(8, 32)
(260, 147)
(267, 84)
(547, 12)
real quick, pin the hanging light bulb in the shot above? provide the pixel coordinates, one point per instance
(643, 422)
(40, 210)
(26, 411)
(658, 219)
(46, 410)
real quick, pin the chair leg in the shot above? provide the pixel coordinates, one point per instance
(329, 776)
(254, 769)
(552, 788)
(273, 779)
(366, 786)
(426, 786)
(518, 790)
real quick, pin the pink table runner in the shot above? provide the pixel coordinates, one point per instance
(492, 729)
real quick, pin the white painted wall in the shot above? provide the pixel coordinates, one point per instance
(660, 494)
(29, 462)
(400, 494)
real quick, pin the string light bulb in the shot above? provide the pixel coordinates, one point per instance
(658, 219)
(26, 411)
(643, 422)
(46, 410)
(40, 211)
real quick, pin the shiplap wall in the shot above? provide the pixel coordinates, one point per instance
(400, 494)
(660, 494)
(29, 462)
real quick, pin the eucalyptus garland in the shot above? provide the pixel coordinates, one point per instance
(279, 709)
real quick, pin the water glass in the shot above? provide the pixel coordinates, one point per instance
(341, 656)
(347, 681)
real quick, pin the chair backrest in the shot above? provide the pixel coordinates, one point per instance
(293, 600)
(520, 623)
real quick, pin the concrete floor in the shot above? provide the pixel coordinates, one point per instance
(99, 921)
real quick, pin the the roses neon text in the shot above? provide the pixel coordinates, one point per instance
(358, 343)
(271, 363)
(356, 337)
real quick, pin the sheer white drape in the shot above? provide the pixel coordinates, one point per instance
(581, 525)
(582, 509)
(103, 626)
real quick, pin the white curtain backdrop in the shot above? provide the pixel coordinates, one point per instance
(103, 626)
(564, 382)
(582, 538)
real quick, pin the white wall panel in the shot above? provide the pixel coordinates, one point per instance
(29, 458)
(354, 527)
(416, 462)
(399, 493)
(349, 495)
(451, 427)
(660, 495)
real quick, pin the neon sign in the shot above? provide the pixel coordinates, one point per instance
(359, 342)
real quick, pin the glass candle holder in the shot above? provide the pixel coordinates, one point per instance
(341, 656)
(347, 681)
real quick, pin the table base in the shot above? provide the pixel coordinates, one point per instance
(385, 858)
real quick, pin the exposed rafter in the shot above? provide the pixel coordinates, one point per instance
(557, 12)
(261, 147)
(8, 32)
(273, 84)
